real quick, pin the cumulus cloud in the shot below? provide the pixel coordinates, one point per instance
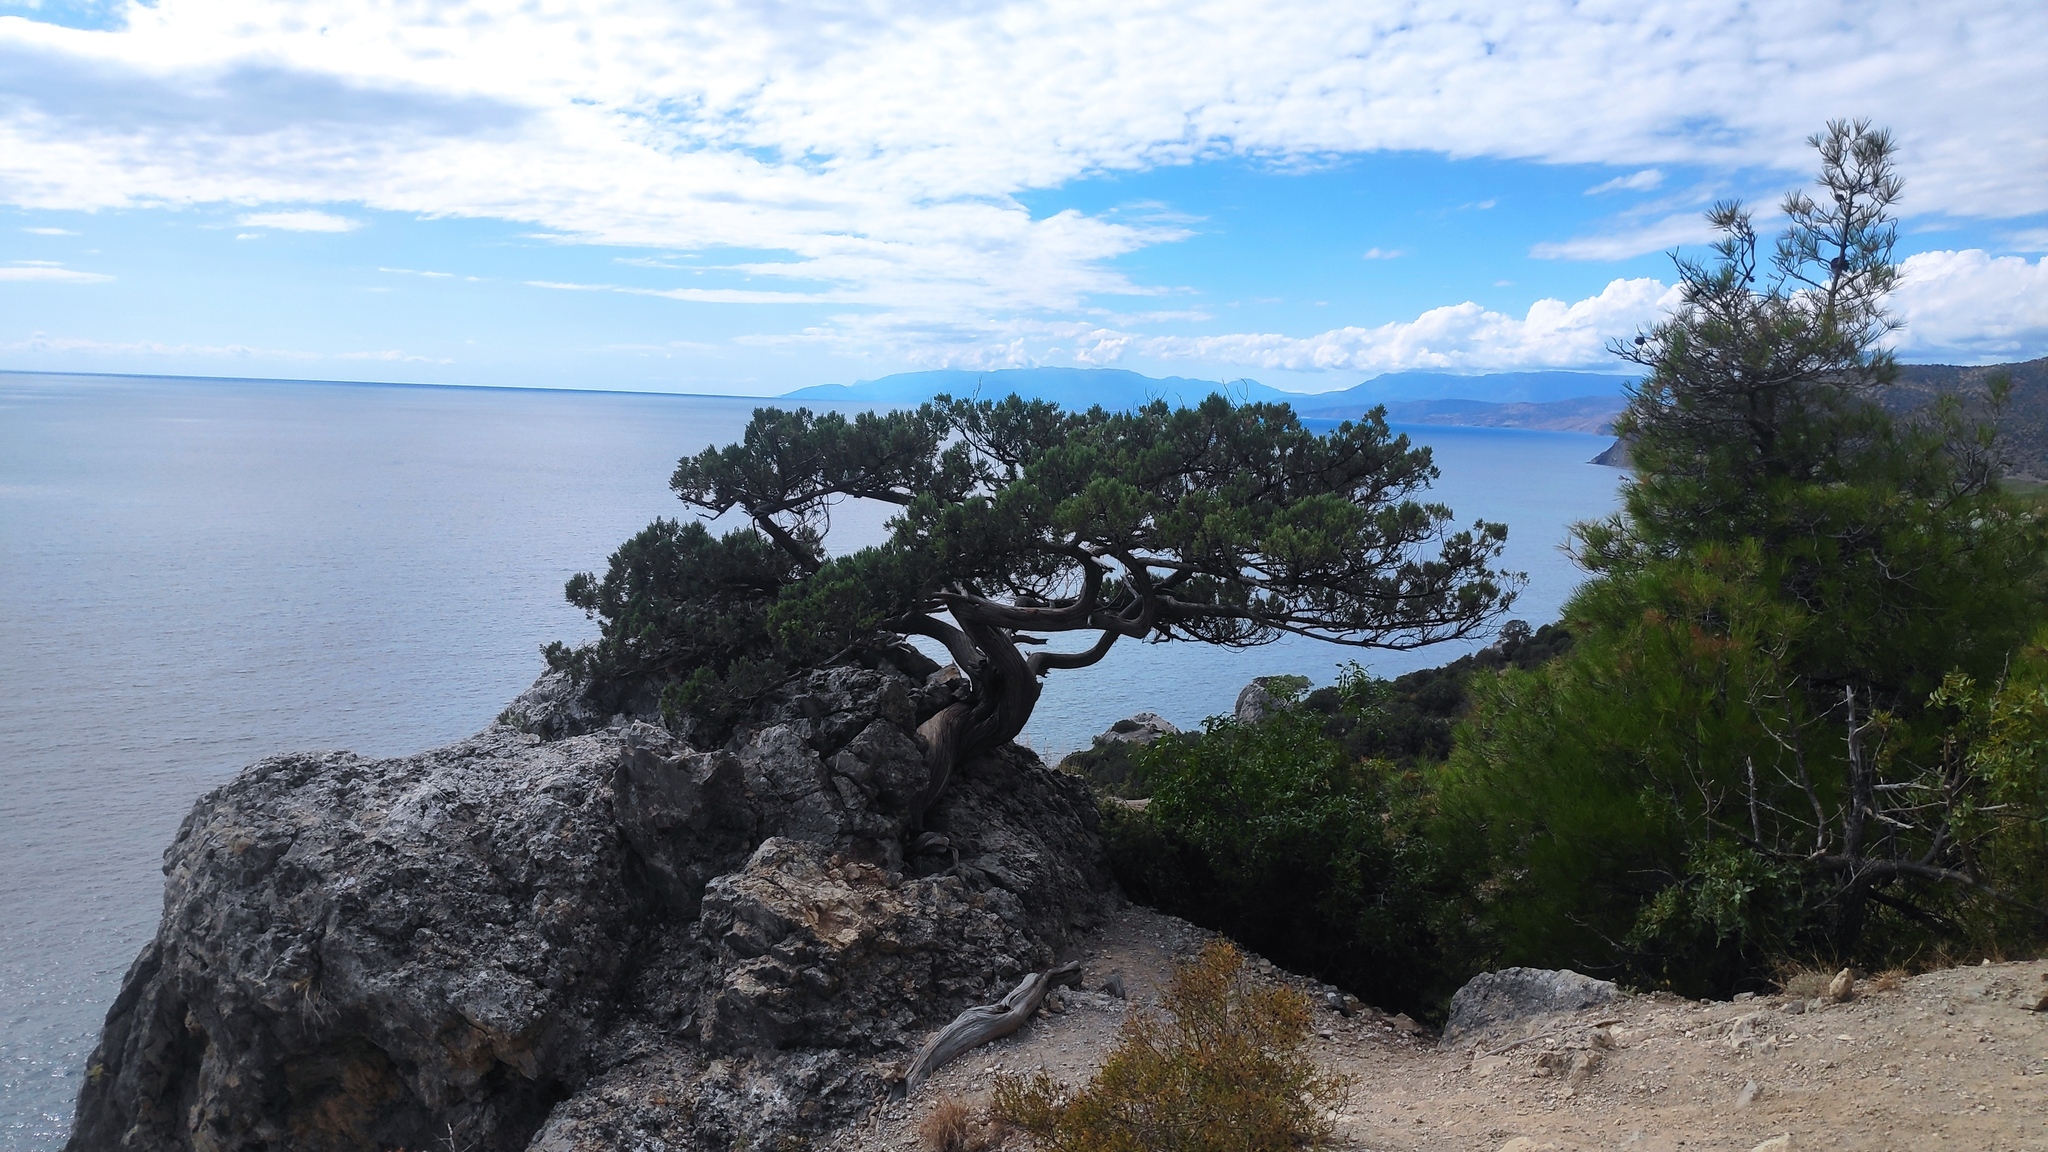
(1968, 305)
(1972, 306)
(1461, 337)
(306, 221)
(883, 147)
(49, 231)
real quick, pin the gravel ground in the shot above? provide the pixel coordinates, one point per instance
(1949, 1060)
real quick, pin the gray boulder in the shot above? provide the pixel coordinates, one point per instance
(1492, 999)
(606, 940)
(1264, 695)
(1141, 729)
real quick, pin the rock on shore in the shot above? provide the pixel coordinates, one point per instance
(588, 940)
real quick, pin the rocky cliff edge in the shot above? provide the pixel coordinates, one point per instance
(555, 938)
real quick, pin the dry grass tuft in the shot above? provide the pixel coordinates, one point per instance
(1225, 1071)
(1805, 983)
(1889, 980)
(951, 1127)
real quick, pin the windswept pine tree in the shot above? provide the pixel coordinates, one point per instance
(1018, 522)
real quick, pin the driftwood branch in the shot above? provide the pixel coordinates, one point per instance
(983, 1023)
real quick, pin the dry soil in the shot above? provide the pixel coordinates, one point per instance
(1949, 1060)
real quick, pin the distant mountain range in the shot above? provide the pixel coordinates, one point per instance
(1562, 401)
(1558, 401)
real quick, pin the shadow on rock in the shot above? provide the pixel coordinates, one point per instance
(588, 941)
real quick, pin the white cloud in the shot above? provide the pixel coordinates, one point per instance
(1462, 337)
(1662, 235)
(1967, 305)
(2029, 240)
(1641, 181)
(1972, 306)
(883, 146)
(299, 221)
(49, 231)
(1382, 254)
(43, 270)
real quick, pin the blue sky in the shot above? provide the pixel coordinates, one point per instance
(752, 198)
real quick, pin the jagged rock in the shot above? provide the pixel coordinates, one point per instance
(605, 940)
(1494, 998)
(555, 707)
(360, 951)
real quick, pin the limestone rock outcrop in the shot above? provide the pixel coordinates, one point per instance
(600, 940)
(1106, 763)
(1265, 695)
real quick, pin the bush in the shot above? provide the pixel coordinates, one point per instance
(1223, 1072)
(1275, 834)
(1307, 835)
(951, 1127)
(1666, 805)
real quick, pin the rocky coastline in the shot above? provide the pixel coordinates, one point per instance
(574, 932)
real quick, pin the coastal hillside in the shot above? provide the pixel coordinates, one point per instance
(1592, 414)
(2022, 424)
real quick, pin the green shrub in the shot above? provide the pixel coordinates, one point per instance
(1274, 833)
(1224, 1071)
(1768, 742)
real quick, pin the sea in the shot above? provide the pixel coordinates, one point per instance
(198, 573)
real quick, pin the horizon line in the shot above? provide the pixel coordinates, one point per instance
(790, 394)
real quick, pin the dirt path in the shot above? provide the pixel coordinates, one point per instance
(1951, 1060)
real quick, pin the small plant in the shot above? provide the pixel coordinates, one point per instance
(1223, 1071)
(1805, 983)
(951, 1127)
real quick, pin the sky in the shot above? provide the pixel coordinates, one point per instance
(753, 197)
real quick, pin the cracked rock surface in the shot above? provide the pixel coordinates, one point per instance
(561, 937)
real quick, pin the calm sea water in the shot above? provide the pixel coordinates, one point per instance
(198, 573)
